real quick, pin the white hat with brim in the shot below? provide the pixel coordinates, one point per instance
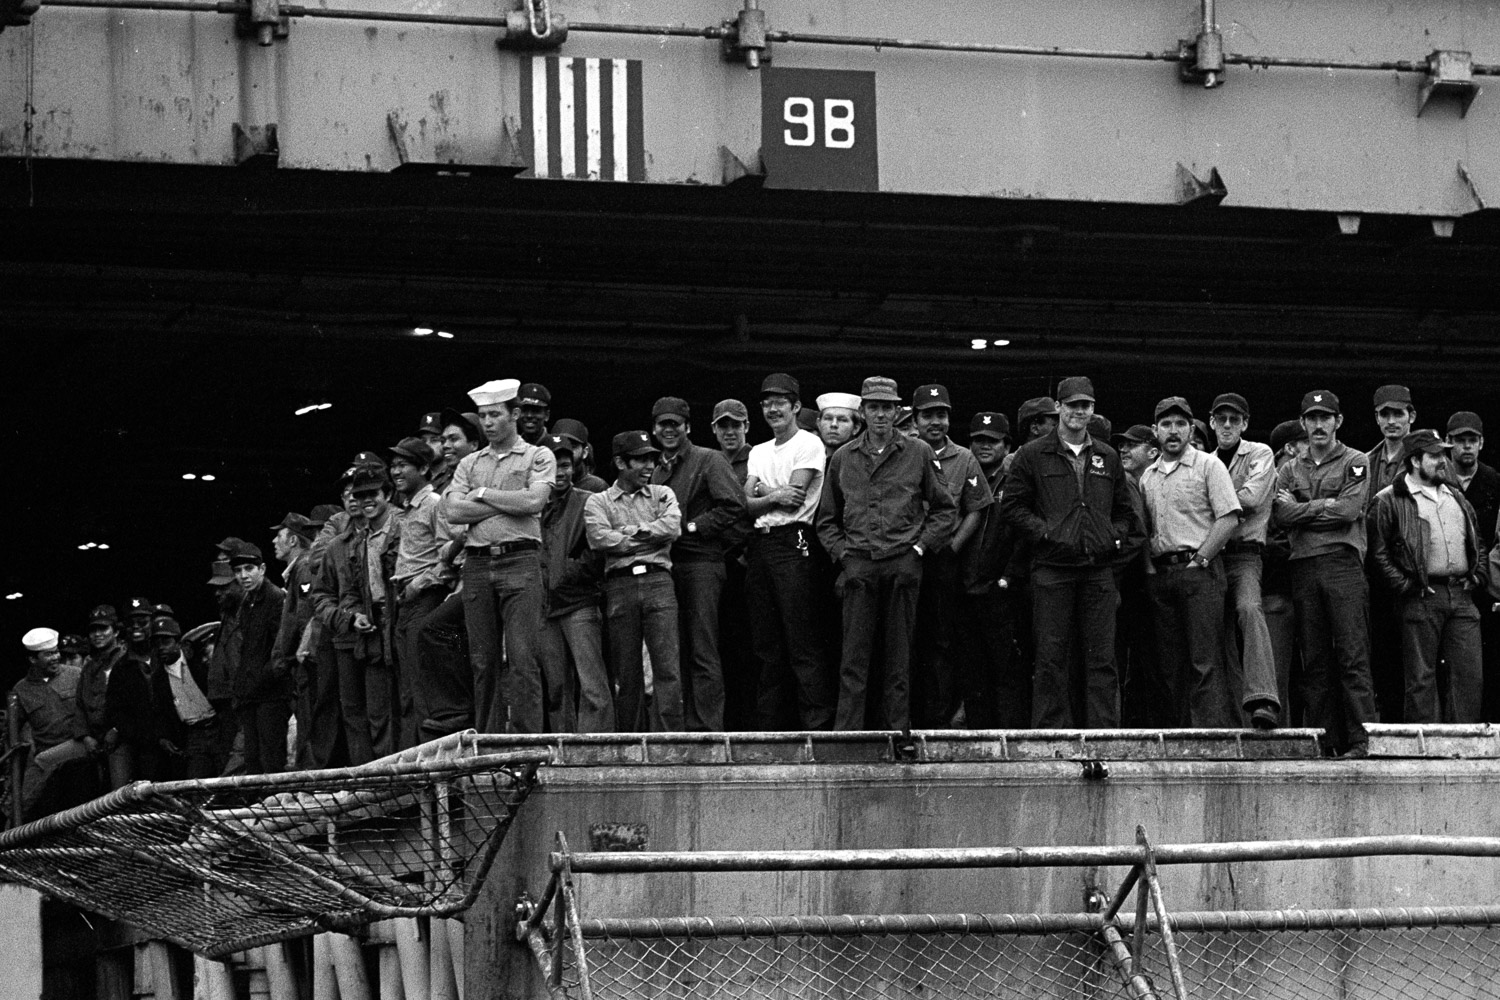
(40, 640)
(500, 390)
(845, 400)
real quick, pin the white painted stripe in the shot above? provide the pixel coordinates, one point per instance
(621, 118)
(539, 146)
(591, 94)
(565, 67)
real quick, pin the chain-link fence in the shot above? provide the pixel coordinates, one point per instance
(1372, 954)
(224, 864)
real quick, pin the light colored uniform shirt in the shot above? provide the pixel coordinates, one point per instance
(1447, 528)
(1253, 471)
(1184, 500)
(611, 519)
(191, 704)
(521, 467)
(773, 464)
(424, 535)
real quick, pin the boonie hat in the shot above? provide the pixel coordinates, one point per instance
(632, 443)
(1320, 400)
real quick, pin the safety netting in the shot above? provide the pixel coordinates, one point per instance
(224, 864)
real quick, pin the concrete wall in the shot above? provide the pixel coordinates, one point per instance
(973, 805)
(20, 943)
(139, 85)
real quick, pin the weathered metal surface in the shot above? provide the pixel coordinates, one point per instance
(1452, 741)
(164, 86)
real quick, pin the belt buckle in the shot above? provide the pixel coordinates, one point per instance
(639, 569)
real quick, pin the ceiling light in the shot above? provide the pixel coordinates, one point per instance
(422, 331)
(302, 411)
(14, 596)
(323, 406)
(1000, 343)
(978, 344)
(207, 477)
(189, 476)
(445, 334)
(102, 545)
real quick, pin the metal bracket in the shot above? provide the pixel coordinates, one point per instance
(745, 37)
(1193, 190)
(263, 21)
(1449, 73)
(1201, 60)
(256, 145)
(532, 25)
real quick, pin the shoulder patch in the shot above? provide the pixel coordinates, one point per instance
(1357, 471)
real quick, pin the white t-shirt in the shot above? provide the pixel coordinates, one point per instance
(773, 464)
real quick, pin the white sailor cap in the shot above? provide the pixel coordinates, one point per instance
(500, 390)
(40, 640)
(846, 400)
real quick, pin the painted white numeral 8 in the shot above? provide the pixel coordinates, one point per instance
(799, 111)
(838, 123)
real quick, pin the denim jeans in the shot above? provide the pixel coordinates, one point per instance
(699, 585)
(1281, 623)
(1441, 651)
(1333, 627)
(263, 724)
(644, 609)
(1188, 606)
(447, 676)
(503, 600)
(880, 603)
(1069, 604)
(365, 697)
(411, 696)
(1245, 614)
(572, 657)
(781, 591)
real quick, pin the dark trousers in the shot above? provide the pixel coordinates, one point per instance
(1144, 701)
(365, 698)
(641, 609)
(447, 674)
(1442, 654)
(1188, 611)
(935, 656)
(264, 725)
(880, 606)
(575, 679)
(736, 654)
(1489, 634)
(320, 717)
(1074, 604)
(1333, 627)
(504, 599)
(200, 749)
(1281, 623)
(700, 584)
(994, 691)
(1387, 670)
(411, 696)
(781, 591)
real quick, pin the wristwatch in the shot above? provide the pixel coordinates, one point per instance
(1198, 561)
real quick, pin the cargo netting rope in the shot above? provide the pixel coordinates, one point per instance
(224, 864)
(1144, 952)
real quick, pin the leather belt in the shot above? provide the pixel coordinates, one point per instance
(777, 529)
(639, 569)
(1232, 548)
(1447, 581)
(504, 548)
(1173, 558)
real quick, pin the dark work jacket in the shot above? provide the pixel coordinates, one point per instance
(1483, 495)
(1398, 540)
(93, 690)
(169, 722)
(572, 570)
(1069, 527)
(131, 702)
(327, 556)
(259, 620)
(295, 614)
(882, 504)
(709, 497)
(997, 552)
(347, 555)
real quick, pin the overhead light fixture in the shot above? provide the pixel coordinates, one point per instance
(422, 331)
(978, 344)
(13, 596)
(207, 477)
(445, 335)
(1000, 343)
(303, 411)
(90, 546)
(102, 545)
(188, 476)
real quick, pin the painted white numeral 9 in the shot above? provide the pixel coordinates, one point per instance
(838, 123)
(799, 111)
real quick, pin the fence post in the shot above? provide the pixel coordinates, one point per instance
(1179, 987)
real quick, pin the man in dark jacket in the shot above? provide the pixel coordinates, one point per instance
(574, 627)
(262, 695)
(290, 542)
(187, 724)
(106, 650)
(1427, 547)
(713, 506)
(1480, 484)
(1066, 493)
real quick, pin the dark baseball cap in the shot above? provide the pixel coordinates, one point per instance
(365, 476)
(670, 406)
(230, 544)
(466, 422)
(1040, 406)
(1286, 431)
(1071, 390)
(220, 573)
(144, 605)
(632, 443)
(1465, 422)
(905, 415)
(1230, 401)
(249, 554)
(780, 384)
(431, 423)
(165, 625)
(1100, 427)
(104, 614)
(1319, 399)
(369, 458)
(1137, 434)
(72, 645)
(989, 424)
(730, 409)
(322, 514)
(1426, 440)
(1392, 395)
(878, 388)
(928, 396)
(297, 525)
(558, 444)
(570, 428)
(414, 449)
(1172, 404)
(533, 394)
